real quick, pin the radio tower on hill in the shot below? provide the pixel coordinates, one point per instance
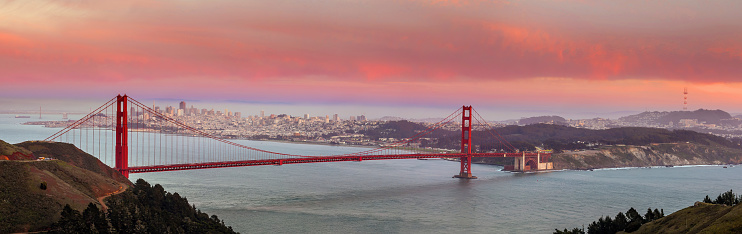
(685, 99)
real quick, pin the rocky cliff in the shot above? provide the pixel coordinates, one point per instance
(651, 155)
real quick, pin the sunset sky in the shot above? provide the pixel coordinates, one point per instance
(409, 58)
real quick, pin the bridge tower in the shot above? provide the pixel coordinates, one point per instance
(122, 138)
(465, 145)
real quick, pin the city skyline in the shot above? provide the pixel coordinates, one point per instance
(411, 59)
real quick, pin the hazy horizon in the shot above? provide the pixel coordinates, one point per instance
(344, 111)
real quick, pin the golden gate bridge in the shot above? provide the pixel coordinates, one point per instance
(145, 140)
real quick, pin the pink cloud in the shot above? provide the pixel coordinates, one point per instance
(336, 50)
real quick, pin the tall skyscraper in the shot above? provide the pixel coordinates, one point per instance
(182, 105)
(262, 114)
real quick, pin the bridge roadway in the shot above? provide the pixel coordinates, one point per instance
(318, 159)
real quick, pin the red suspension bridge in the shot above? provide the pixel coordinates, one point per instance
(135, 138)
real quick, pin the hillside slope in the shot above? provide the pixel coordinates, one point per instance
(651, 155)
(11, 152)
(72, 155)
(33, 193)
(700, 218)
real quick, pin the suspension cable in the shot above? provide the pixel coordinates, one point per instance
(500, 138)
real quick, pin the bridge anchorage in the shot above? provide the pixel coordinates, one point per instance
(147, 139)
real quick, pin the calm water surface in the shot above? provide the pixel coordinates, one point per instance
(418, 196)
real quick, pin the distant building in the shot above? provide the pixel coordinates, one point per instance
(687, 123)
(182, 105)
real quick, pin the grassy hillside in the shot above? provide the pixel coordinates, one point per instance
(72, 155)
(12, 152)
(700, 218)
(722, 215)
(27, 205)
(50, 195)
(23, 205)
(33, 193)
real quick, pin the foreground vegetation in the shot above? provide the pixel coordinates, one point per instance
(141, 209)
(629, 222)
(722, 215)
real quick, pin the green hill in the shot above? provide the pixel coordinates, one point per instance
(33, 193)
(72, 155)
(65, 194)
(700, 218)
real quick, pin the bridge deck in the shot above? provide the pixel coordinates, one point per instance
(191, 166)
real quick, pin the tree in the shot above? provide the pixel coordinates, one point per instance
(649, 216)
(607, 225)
(70, 222)
(635, 220)
(633, 215)
(707, 199)
(656, 214)
(603, 225)
(727, 198)
(94, 219)
(620, 222)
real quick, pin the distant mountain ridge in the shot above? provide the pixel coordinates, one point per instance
(390, 118)
(674, 117)
(553, 119)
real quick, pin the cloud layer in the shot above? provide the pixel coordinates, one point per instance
(388, 51)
